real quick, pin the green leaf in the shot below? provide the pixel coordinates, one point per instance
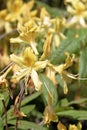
(64, 102)
(30, 98)
(1, 124)
(24, 125)
(27, 109)
(72, 44)
(80, 101)
(47, 87)
(83, 64)
(75, 114)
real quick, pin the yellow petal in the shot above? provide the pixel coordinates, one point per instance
(28, 32)
(47, 46)
(69, 60)
(29, 57)
(71, 10)
(65, 88)
(44, 13)
(40, 65)
(20, 74)
(36, 80)
(16, 40)
(18, 60)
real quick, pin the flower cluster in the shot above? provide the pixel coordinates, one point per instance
(40, 35)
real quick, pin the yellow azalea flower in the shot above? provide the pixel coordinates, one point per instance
(28, 31)
(28, 34)
(14, 5)
(79, 12)
(29, 66)
(20, 11)
(49, 112)
(61, 69)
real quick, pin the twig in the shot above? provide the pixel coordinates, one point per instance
(5, 114)
(20, 99)
(5, 34)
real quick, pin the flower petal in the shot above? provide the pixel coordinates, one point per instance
(36, 80)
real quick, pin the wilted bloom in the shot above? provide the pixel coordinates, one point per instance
(29, 66)
(16, 111)
(78, 10)
(49, 112)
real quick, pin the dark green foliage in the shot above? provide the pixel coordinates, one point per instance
(72, 44)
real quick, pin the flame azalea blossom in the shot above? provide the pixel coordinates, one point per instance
(27, 34)
(79, 12)
(18, 9)
(61, 70)
(29, 66)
